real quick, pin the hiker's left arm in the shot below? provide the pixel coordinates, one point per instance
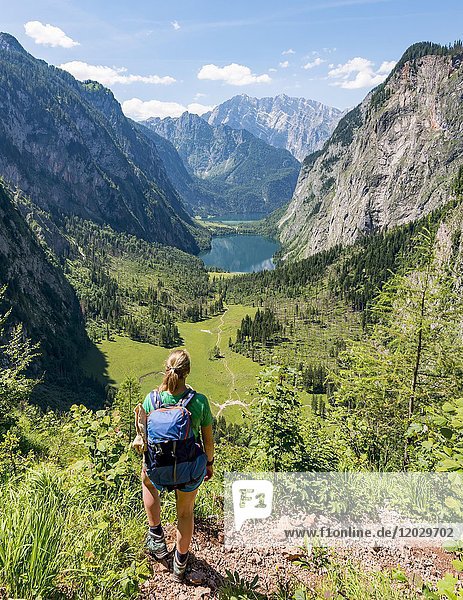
(208, 443)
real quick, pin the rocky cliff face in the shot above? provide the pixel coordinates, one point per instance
(242, 173)
(68, 146)
(389, 161)
(39, 294)
(299, 125)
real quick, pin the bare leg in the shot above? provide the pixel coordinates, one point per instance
(185, 521)
(151, 501)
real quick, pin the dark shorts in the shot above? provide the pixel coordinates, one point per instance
(188, 488)
(191, 487)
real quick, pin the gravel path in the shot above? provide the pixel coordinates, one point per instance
(209, 561)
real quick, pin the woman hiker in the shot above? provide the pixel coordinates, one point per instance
(182, 462)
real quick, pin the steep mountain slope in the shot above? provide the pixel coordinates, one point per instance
(389, 161)
(297, 124)
(40, 296)
(68, 146)
(243, 173)
(194, 191)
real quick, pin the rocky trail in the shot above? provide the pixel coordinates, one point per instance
(209, 561)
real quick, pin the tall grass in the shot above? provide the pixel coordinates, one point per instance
(61, 539)
(33, 514)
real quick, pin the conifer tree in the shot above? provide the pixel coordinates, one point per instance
(412, 358)
(275, 421)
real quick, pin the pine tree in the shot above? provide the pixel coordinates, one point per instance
(411, 359)
(275, 421)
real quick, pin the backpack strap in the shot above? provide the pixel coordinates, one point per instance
(186, 398)
(155, 398)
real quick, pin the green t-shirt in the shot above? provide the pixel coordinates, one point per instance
(199, 408)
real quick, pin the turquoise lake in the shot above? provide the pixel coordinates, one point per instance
(241, 253)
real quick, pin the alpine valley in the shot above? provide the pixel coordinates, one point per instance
(346, 356)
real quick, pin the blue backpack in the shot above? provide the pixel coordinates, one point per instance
(173, 458)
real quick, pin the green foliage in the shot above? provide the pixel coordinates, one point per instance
(16, 355)
(105, 444)
(440, 431)
(215, 353)
(345, 129)
(458, 183)
(237, 588)
(348, 582)
(32, 536)
(313, 556)
(127, 397)
(410, 360)
(275, 422)
(261, 329)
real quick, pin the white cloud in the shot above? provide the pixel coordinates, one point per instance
(175, 25)
(284, 64)
(359, 73)
(314, 63)
(272, 70)
(232, 74)
(288, 52)
(48, 35)
(198, 109)
(140, 110)
(386, 67)
(110, 75)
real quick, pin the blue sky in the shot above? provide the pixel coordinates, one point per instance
(160, 57)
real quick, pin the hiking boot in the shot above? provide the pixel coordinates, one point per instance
(179, 568)
(156, 546)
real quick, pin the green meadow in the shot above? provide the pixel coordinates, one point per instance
(226, 381)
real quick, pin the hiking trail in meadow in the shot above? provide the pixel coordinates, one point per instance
(232, 389)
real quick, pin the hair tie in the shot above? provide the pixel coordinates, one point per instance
(173, 370)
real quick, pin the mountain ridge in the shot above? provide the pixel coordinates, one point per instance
(69, 147)
(242, 173)
(299, 125)
(389, 161)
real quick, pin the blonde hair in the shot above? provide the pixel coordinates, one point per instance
(177, 367)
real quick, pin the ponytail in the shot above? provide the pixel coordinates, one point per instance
(177, 367)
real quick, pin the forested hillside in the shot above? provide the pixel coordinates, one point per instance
(68, 146)
(40, 298)
(239, 172)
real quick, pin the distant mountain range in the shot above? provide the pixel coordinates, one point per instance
(299, 125)
(229, 170)
(391, 160)
(69, 147)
